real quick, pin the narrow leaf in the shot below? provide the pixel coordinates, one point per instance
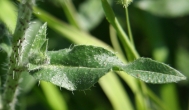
(40, 38)
(37, 54)
(29, 39)
(151, 71)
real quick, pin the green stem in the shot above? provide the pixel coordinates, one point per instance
(16, 68)
(128, 26)
(127, 45)
(70, 12)
(129, 48)
(145, 98)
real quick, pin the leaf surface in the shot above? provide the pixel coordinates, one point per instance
(80, 67)
(38, 48)
(151, 71)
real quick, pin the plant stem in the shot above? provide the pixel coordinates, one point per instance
(70, 12)
(128, 26)
(132, 54)
(143, 86)
(16, 67)
(145, 90)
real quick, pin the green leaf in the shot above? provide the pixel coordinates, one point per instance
(37, 54)
(72, 34)
(29, 39)
(151, 71)
(80, 67)
(165, 8)
(40, 38)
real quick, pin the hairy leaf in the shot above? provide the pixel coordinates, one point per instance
(80, 67)
(152, 71)
(40, 38)
(37, 54)
(76, 69)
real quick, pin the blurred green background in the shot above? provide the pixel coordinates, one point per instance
(160, 30)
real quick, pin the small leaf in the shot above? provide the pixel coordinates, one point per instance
(151, 71)
(37, 54)
(40, 38)
(28, 41)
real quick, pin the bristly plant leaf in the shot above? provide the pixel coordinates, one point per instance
(40, 38)
(151, 71)
(37, 54)
(80, 67)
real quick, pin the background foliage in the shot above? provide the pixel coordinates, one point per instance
(160, 31)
